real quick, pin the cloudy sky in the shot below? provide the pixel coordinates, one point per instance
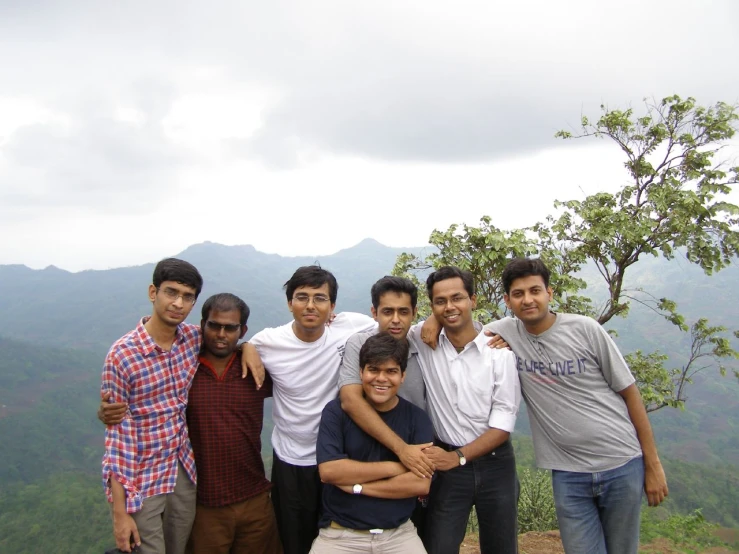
(130, 130)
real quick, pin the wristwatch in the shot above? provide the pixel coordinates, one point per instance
(462, 459)
(357, 489)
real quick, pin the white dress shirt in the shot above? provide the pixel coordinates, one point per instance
(468, 392)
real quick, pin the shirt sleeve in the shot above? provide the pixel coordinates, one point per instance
(349, 370)
(506, 391)
(330, 443)
(359, 323)
(612, 364)
(266, 389)
(414, 333)
(119, 460)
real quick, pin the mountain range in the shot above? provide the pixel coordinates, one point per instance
(55, 327)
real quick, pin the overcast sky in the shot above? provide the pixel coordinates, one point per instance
(131, 130)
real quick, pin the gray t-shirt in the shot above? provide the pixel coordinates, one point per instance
(412, 389)
(570, 376)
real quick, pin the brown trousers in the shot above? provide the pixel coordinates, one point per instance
(242, 528)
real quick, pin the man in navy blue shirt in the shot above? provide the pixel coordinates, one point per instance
(369, 496)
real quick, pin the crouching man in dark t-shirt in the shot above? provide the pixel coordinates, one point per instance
(369, 495)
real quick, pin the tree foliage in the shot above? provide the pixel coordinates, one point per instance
(536, 510)
(690, 533)
(673, 202)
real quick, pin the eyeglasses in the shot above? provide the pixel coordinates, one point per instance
(228, 327)
(456, 300)
(304, 299)
(174, 295)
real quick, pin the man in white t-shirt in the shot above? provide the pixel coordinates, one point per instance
(303, 359)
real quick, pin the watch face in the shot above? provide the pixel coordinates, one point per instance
(462, 459)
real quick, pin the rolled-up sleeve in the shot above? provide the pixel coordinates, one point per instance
(349, 373)
(506, 391)
(119, 460)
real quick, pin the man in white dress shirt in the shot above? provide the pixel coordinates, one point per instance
(473, 395)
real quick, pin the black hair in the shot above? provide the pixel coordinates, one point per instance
(382, 347)
(394, 284)
(450, 272)
(180, 271)
(312, 276)
(524, 267)
(225, 302)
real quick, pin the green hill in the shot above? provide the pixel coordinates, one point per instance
(56, 326)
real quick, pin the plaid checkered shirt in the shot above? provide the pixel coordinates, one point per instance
(142, 451)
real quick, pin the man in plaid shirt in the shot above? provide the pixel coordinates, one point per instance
(148, 465)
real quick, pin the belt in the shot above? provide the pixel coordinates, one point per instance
(445, 446)
(335, 525)
(452, 448)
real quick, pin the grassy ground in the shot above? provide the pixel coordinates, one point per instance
(548, 542)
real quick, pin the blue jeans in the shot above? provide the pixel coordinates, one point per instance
(598, 513)
(488, 483)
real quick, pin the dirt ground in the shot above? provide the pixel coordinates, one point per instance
(549, 543)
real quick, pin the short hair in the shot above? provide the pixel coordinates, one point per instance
(382, 347)
(524, 267)
(225, 302)
(450, 272)
(394, 284)
(312, 276)
(180, 271)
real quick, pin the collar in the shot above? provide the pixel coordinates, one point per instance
(147, 344)
(412, 350)
(230, 363)
(557, 320)
(481, 341)
(478, 328)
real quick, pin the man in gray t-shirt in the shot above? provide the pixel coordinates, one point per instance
(587, 418)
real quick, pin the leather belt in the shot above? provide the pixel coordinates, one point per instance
(452, 448)
(445, 446)
(335, 525)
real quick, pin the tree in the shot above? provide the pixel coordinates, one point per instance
(674, 202)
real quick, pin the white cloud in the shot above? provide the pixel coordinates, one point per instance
(129, 131)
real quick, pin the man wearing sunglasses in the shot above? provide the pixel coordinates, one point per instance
(224, 414)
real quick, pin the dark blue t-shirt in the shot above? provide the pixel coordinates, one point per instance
(340, 438)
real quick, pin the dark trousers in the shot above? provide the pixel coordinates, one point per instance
(296, 496)
(490, 484)
(419, 517)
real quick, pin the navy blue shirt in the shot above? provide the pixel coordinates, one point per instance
(340, 438)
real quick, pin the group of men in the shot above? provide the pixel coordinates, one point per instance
(417, 436)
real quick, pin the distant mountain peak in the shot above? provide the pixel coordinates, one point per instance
(208, 246)
(369, 242)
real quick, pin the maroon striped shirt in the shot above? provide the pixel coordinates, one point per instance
(224, 417)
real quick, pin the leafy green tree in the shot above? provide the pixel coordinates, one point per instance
(674, 201)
